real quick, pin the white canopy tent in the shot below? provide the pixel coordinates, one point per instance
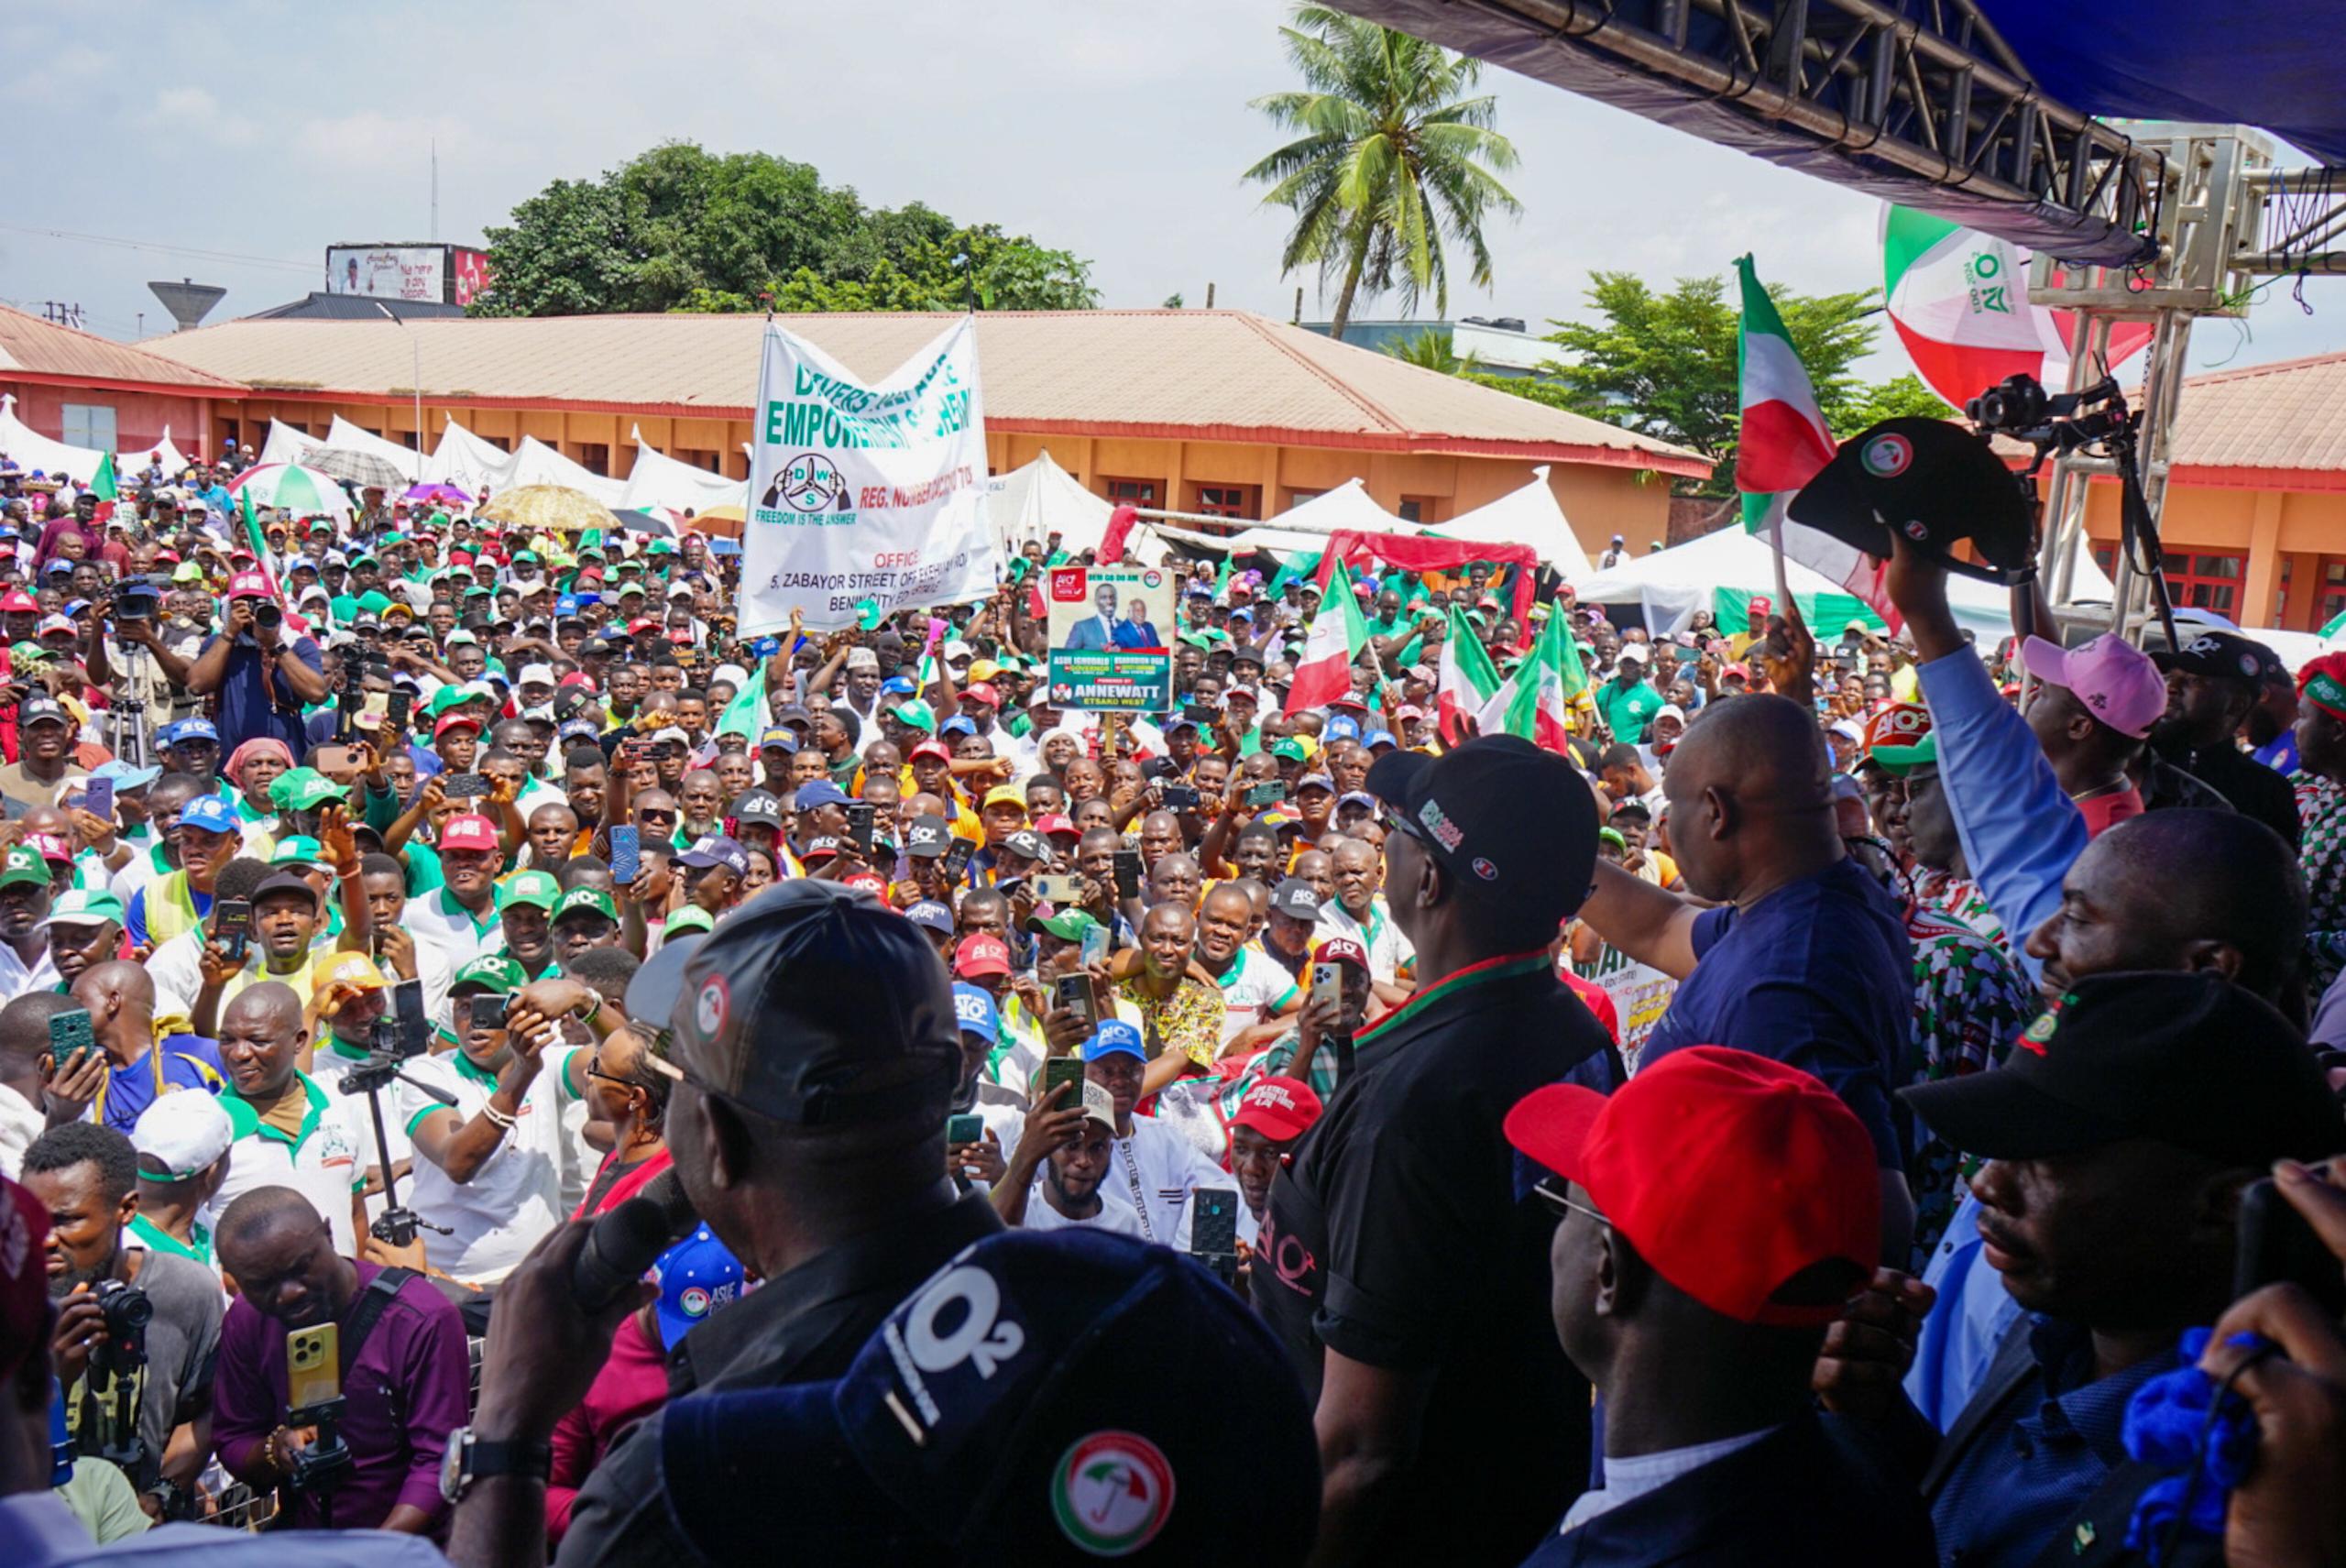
(348, 437)
(172, 461)
(659, 480)
(1345, 506)
(285, 443)
(1033, 502)
(35, 452)
(535, 463)
(1670, 584)
(1532, 516)
(468, 462)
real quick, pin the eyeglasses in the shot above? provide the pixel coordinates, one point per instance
(1551, 1192)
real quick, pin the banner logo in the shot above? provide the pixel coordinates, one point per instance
(808, 482)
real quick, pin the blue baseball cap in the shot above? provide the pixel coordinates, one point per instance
(975, 1009)
(931, 916)
(996, 1416)
(956, 725)
(211, 813)
(1376, 738)
(1114, 1036)
(1340, 727)
(766, 647)
(779, 735)
(714, 849)
(696, 1277)
(899, 685)
(189, 729)
(818, 792)
(566, 607)
(125, 776)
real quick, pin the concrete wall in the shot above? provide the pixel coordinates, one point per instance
(2290, 536)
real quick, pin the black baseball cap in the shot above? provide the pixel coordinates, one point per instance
(758, 806)
(814, 1004)
(1297, 899)
(926, 837)
(2221, 656)
(1514, 824)
(2185, 1058)
(1932, 481)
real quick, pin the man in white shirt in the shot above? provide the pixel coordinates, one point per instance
(1151, 1166)
(289, 1130)
(1255, 988)
(489, 1167)
(1358, 912)
(1055, 1180)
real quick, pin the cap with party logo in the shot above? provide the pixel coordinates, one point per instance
(1899, 738)
(1467, 809)
(2115, 681)
(696, 1277)
(496, 973)
(710, 849)
(974, 1011)
(995, 1416)
(1281, 1109)
(1667, 1157)
(584, 900)
(83, 907)
(1113, 1037)
(534, 889)
(468, 830)
(982, 953)
(926, 837)
(24, 868)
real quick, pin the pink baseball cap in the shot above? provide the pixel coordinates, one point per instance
(250, 585)
(2116, 681)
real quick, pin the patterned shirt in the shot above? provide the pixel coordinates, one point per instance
(1960, 900)
(1190, 1021)
(2321, 836)
(1971, 1003)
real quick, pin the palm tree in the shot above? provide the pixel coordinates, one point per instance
(1430, 350)
(1392, 157)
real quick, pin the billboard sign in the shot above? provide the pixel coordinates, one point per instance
(1107, 627)
(440, 274)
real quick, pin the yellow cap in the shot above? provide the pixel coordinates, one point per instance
(1004, 795)
(353, 968)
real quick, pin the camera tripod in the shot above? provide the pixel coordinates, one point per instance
(395, 1226)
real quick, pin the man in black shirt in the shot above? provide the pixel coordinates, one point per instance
(1403, 1261)
(2212, 683)
(814, 1051)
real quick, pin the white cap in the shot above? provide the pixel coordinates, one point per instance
(50, 623)
(535, 675)
(673, 734)
(525, 587)
(1633, 652)
(680, 590)
(1670, 710)
(184, 1134)
(737, 674)
(862, 658)
(957, 649)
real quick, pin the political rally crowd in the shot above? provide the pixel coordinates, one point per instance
(1727, 1095)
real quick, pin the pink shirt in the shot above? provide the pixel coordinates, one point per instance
(632, 1385)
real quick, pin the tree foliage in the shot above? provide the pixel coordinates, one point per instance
(682, 228)
(1663, 364)
(1394, 155)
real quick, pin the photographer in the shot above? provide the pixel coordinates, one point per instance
(258, 676)
(137, 1329)
(403, 1379)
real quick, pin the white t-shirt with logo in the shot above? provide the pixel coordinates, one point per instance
(321, 1162)
(1389, 952)
(1251, 987)
(515, 1197)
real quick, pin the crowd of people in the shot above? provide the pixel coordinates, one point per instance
(1217, 1134)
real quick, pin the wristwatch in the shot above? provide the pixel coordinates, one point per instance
(469, 1459)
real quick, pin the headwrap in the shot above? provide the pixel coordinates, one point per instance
(251, 749)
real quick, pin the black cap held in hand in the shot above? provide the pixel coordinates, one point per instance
(1516, 826)
(2184, 1058)
(1935, 482)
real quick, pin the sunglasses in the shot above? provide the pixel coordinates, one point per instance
(1551, 1191)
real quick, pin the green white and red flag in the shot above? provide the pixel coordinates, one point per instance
(1465, 681)
(259, 546)
(1337, 634)
(1782, 444)
(1535, 702)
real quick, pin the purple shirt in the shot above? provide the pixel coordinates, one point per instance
(401, 1400)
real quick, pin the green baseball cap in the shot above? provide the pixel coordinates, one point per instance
(496, 972)
(301, 849)
(691, 918)
(304, 789)
(24, 867)
(593, 899)
(29, 653)
(86, 906)
(917, 713)
(445, 699)
(1287, 749)
(536, 889)
(1067, 925)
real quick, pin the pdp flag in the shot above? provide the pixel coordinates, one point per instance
(864, 491)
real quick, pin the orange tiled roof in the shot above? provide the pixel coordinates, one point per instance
(2289, 416)
(31, 348)
(1190, 375)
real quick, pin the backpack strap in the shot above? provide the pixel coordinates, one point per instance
(379, 1293)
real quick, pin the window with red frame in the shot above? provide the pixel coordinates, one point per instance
(1234, 502)
(2195, 579)
(1132, 492)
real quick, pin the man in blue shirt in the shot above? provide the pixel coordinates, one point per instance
(2118, 1137)
(259, 673)
(1806, 959)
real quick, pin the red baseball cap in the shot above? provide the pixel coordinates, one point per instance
(867, 882)
(983, 692)
(1054, 825)
(937, 749)
(1730, 1174)
(453, 720)
(468, 831)
(24, 1278)
(16, 601)
(982, 954)
(1281, 1109)
(249, 586)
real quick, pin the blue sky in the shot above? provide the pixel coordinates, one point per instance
(1115, 128)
